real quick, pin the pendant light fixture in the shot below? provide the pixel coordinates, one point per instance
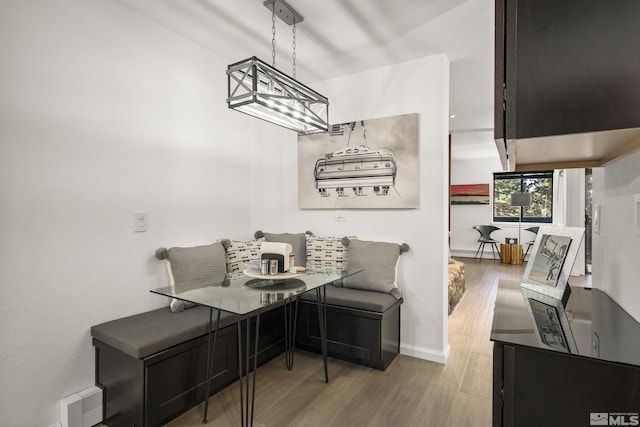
(262, 91)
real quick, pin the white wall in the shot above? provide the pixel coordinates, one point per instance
(573, 201)
(418, 86)
(470, 168)
(471, 165)
(616, 247)
(102, 113)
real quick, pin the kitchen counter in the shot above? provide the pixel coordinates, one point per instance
(559, 365)
(597, 325)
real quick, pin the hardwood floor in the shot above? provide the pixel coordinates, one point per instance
(411, 392)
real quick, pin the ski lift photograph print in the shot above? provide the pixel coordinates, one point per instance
(360, 165)
(549, 259)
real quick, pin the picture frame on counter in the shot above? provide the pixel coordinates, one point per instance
(553, 254)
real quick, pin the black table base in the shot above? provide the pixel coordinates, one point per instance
(247, 384)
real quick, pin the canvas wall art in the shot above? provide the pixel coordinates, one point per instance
(365, 164)
(470, 194)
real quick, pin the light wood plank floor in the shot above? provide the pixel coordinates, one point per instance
(411, 392)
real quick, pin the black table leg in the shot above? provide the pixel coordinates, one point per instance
(247, 400)
(321, 298)
(290, 321)
(210, 355)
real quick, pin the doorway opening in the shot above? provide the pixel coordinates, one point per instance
(588, 218)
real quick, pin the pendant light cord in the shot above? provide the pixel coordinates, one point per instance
(364, 134)
(273, 40)
(273, 34)
(294, 50)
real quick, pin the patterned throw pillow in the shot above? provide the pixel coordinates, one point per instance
(239, 254)
(327, 253)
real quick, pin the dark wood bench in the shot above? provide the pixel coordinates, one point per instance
(363, 327)
(152, 366)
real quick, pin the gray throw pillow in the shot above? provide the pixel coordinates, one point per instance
(297, 240)
(195, 263)
(379, 261)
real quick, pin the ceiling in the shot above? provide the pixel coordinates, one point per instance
(340, 37)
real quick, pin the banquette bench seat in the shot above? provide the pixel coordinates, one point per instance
(363, 327)
(152, 366)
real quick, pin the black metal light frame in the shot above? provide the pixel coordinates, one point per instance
(257, 89)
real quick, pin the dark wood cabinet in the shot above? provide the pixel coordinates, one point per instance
(536, 387)
(357, 336)
(539, 380)
(566, 67)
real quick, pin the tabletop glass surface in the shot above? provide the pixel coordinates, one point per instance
(240, 293)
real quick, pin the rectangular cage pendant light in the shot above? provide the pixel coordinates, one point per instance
(262, 91)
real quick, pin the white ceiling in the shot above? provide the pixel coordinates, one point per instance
(340, 37)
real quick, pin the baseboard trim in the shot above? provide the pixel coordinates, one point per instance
(461, 253)
(426, 353)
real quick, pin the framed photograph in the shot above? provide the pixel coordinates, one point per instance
(553, 255)
(547, 262)
(364, 164)
(550, 322)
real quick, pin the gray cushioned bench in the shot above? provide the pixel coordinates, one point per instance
(147, 333)
(152, 365)
(355, 298)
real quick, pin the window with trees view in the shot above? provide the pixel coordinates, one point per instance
(539, 184)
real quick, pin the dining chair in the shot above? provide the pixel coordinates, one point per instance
(530, 243)
(485, 238)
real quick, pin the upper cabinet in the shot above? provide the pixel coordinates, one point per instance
(567, 82)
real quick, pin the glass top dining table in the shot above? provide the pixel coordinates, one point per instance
(247, 294)
(248, 291)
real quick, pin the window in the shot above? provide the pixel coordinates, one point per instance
(539, 184)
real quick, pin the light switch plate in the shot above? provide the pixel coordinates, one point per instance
(341, 216)
(139, 222)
